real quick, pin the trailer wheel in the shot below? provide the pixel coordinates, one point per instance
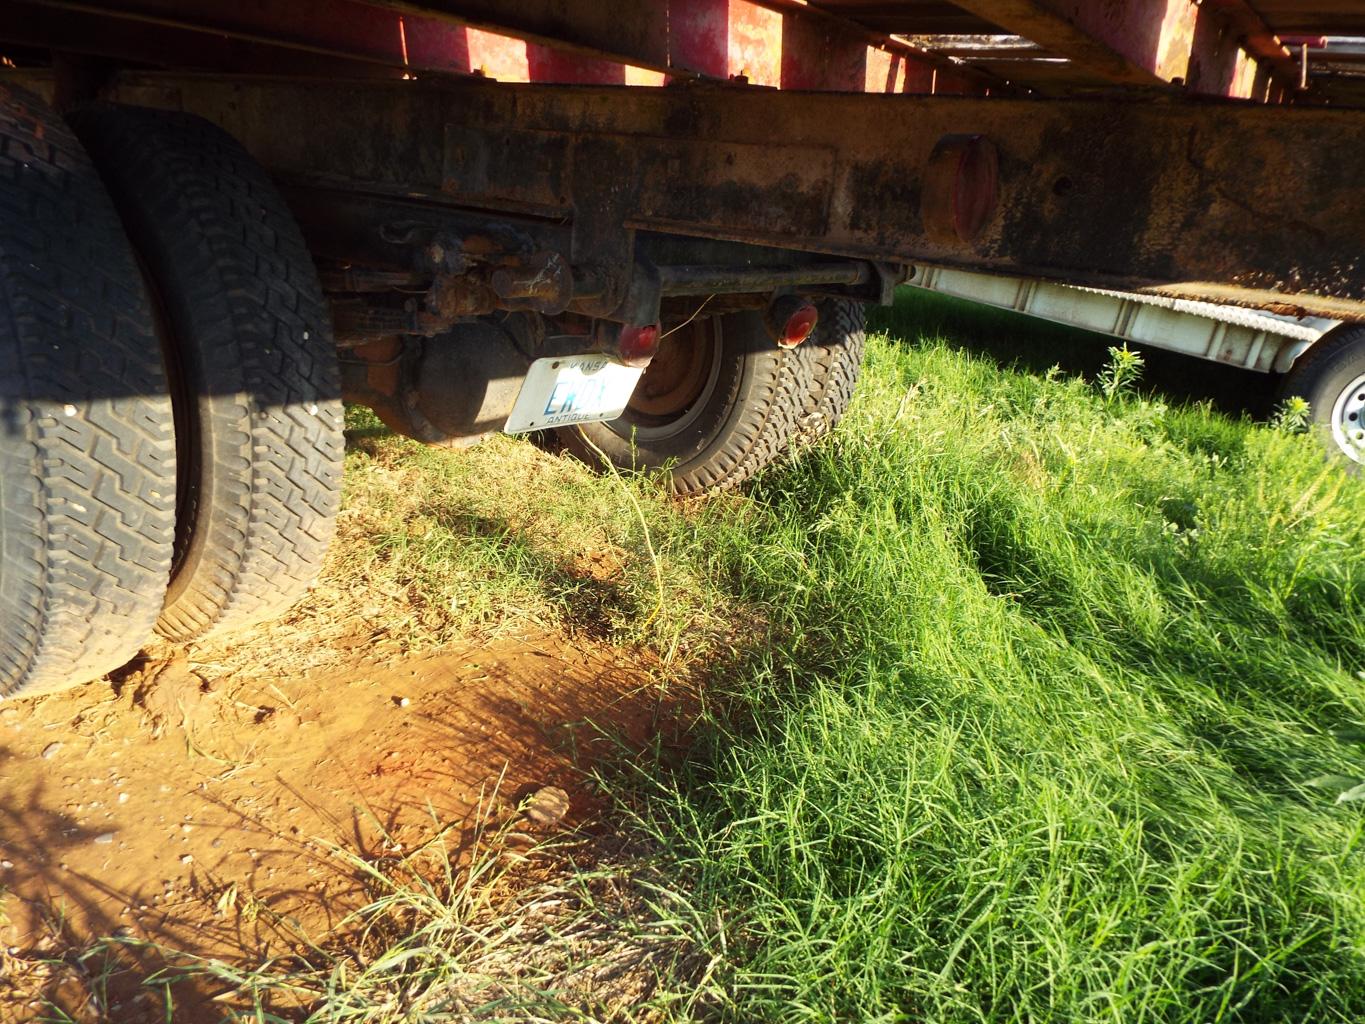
(831, 359)
(250, 346)
(1330, 376)
(719, 402)
(87, 458)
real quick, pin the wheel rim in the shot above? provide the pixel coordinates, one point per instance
(677, 384)
(1348, 420)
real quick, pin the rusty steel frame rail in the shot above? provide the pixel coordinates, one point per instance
(1257, 205)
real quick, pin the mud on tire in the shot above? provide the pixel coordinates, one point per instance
(87, 459)
(250, 346)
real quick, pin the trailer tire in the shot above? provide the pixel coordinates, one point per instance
(1330, 377)
(741, 416)
(251, 351)
(830, 360)
(87, 457)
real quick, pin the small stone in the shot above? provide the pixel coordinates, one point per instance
(123, 798)
(104, 838)
(6, 864)
(402, 702)
(187, 858)
(50, 751)
(548, 805)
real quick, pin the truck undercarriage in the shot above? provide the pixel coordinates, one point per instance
(665, 215)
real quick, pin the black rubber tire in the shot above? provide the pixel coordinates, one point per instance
(251, 344)
(746, 418)
(1323, 373)
(765, 400)
(87, 455)
(830, 361)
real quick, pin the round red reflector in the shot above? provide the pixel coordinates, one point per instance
(637, 345)
(798, 326)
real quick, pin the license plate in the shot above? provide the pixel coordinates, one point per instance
(563, 390)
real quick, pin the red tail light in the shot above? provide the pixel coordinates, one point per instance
(791, 320)
(636, 345)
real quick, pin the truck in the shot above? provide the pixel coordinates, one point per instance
(647, 229)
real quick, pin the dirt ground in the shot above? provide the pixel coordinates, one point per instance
(175, 800)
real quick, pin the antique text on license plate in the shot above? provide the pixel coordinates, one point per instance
(562, 390)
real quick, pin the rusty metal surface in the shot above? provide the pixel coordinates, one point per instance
(163, 45)
(1234, 48)
(959, 190)
(638, 33)
(1219, 47)
(1111, 41)
(397, 267)
(783, 43)
(1261, 200)
(350, 30)
(1315, 17)
(708, 280)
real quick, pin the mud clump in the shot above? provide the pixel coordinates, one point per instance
(172, 695)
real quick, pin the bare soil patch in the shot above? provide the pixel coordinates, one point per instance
(195, 803)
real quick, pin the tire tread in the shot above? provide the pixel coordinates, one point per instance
(87, 456)
(252, 328)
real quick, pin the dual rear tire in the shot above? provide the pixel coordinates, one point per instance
(248, 339)
(87, 456)
(170, 415)
(170, 410)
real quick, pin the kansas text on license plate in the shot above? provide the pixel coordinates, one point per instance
(562, 390)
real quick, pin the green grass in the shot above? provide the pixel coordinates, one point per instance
(1059, 722)
(500, 537)
(1041, 698)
